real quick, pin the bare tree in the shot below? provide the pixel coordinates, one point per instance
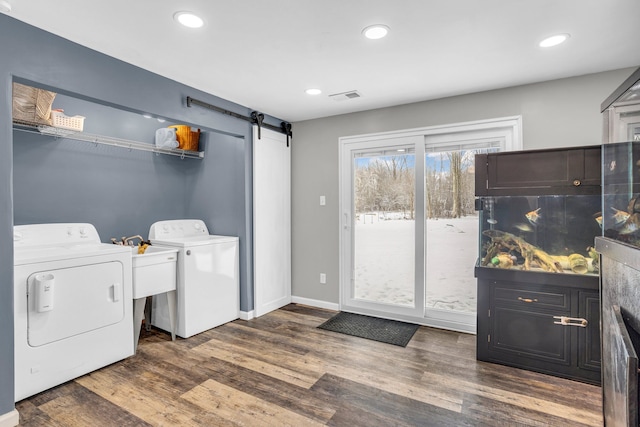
(385, 184)
(455, 161)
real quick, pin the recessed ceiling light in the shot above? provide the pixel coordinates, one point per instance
(376, 31)
(189, 19)
(313, 91)
(554, 40)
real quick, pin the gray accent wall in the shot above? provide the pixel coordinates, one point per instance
(559, 113)
(122, 192)
(6, 245)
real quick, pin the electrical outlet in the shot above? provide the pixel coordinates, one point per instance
(323, 278)
(323, 200)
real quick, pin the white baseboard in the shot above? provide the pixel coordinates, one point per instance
(10, 419)
(315, 303)
(244, 315)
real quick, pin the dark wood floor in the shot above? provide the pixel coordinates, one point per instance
(280, 370)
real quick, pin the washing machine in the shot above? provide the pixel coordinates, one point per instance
(73, 304)
(208, 288)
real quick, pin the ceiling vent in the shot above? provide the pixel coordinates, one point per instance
(343, 96)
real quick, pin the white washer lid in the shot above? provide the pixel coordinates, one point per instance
(209, 239)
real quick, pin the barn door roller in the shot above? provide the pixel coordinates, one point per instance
(256, 118)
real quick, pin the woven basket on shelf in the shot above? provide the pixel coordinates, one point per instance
(32, 105)
(187, 138)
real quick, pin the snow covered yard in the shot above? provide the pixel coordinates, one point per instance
(384, 262)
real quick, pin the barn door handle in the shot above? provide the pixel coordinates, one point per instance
(570, 321)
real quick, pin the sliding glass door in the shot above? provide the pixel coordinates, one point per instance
(451, 238)
(409, 231)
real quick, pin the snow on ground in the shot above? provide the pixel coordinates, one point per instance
(384, 262)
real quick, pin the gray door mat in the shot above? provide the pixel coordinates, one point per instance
(373, 328)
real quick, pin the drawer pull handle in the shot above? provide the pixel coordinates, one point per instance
(570, 321)
(527, 299)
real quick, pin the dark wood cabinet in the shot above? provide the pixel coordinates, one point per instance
(564, 171)
(544, 322)
(538, 314)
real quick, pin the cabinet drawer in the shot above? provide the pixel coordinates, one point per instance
(550, 298)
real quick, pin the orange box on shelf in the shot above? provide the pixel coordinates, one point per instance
(187, 138)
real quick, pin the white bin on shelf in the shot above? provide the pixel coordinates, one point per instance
(60, 120)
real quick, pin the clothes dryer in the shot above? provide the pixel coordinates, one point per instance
(208, 288)
(73, 310)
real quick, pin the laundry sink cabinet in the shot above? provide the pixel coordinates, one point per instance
(154, 273)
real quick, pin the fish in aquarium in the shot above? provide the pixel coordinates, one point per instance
(598, 217)
(523, 227)
(619, 216)
(492, 221)
(534, 216)
(631, 225)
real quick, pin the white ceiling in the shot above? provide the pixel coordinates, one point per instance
(264, 54)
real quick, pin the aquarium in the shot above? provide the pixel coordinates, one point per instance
(542, 233)
(621, 163)
(621, 112)
(621, 192)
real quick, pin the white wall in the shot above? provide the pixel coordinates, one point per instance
(559, 113)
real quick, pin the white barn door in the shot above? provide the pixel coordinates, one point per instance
(271, 221)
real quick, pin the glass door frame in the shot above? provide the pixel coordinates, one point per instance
(475, 141)
(509, 127)
(348, 302)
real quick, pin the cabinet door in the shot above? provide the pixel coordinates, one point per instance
(589, 337)
(539, 172)
(519, 332)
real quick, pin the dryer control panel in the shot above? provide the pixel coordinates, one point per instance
(54, 234)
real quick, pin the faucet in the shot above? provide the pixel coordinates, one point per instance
(128, 240)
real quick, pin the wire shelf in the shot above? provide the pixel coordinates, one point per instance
(104, 140)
